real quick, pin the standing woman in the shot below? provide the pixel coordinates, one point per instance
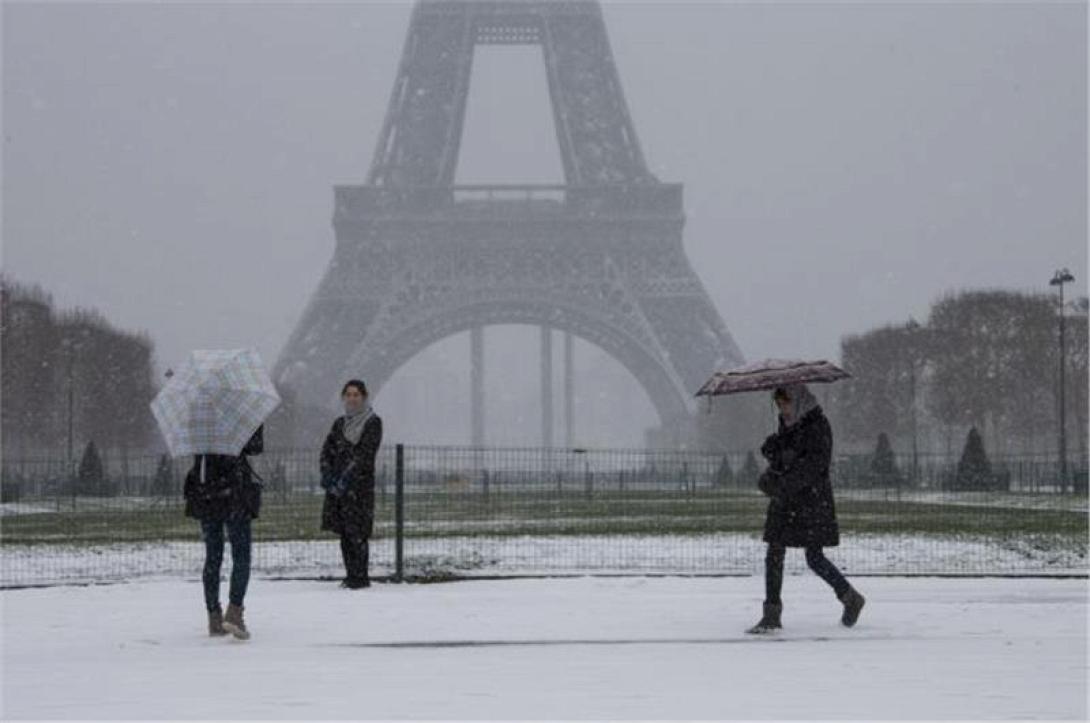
(220, 492)
(801, 512)
(348, 476)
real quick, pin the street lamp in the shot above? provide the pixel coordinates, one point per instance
(1061, 277)
(69, 352)
(913, 327)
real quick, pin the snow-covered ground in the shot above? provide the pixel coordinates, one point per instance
(1001, 500)
(568, 648)
(519, 554)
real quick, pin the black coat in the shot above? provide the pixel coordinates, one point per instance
(801, 512)
(352, 513)
(228, 491)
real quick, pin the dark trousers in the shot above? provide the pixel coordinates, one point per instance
(817, 561)
(355, 551)
(238, 532)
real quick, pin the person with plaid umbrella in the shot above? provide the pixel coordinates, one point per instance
(221, 493)
(214, 409)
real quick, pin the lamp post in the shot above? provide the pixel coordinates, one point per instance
(68, 345)
(1061, 277)
(913, 328)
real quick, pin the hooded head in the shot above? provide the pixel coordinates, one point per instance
(354, 397)
(795, 402)
(357, 412)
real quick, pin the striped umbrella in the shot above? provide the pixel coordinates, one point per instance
(215, 402)
(770, 374)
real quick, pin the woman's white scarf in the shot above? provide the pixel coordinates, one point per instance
(354, 423)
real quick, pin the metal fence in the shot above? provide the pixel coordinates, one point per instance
(466, 511)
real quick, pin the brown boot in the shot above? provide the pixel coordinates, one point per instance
(234, 624)
(215, 623)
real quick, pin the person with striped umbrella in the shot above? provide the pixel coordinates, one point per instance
(801, 511)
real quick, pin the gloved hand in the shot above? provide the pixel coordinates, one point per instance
(336, 486)
(769, 483)
(770, 447)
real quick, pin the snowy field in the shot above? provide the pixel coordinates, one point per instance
(566, 648)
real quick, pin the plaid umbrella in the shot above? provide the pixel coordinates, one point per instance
(770, 374)
(215, 402)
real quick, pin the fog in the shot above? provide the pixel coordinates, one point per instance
(844, 165)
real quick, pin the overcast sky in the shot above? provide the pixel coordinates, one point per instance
(844, 163)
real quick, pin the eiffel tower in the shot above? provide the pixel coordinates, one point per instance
(419, 258)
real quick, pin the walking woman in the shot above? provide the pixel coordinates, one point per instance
(801, 512)
(348, 476)
(220, 492)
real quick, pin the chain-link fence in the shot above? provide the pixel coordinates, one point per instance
(468, 511)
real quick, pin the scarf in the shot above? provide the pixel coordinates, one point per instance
(354, 423)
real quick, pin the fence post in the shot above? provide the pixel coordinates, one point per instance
(399, 515)
(588, 479)
(484, 483)
(282, 471)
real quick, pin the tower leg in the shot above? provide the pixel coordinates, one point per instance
(569, 392)
(476, 354)
(546, 387)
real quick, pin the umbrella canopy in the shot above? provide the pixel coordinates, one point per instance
(770, 374)
(215, 402)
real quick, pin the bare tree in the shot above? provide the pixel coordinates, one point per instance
(26, 378)
(1077, 353)
(48, 354)
(991, 352)
(879, 396)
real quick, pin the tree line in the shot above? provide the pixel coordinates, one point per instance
(62, 368)
(984, 360)
(978, 378)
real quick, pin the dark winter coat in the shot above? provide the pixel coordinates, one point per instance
(229, 490)
(801, 512)
(352, 513)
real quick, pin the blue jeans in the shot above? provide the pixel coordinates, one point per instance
(238, 532)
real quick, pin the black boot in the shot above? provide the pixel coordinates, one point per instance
(853, 604)
(356, 583)
(770, 620)
(356, 552)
